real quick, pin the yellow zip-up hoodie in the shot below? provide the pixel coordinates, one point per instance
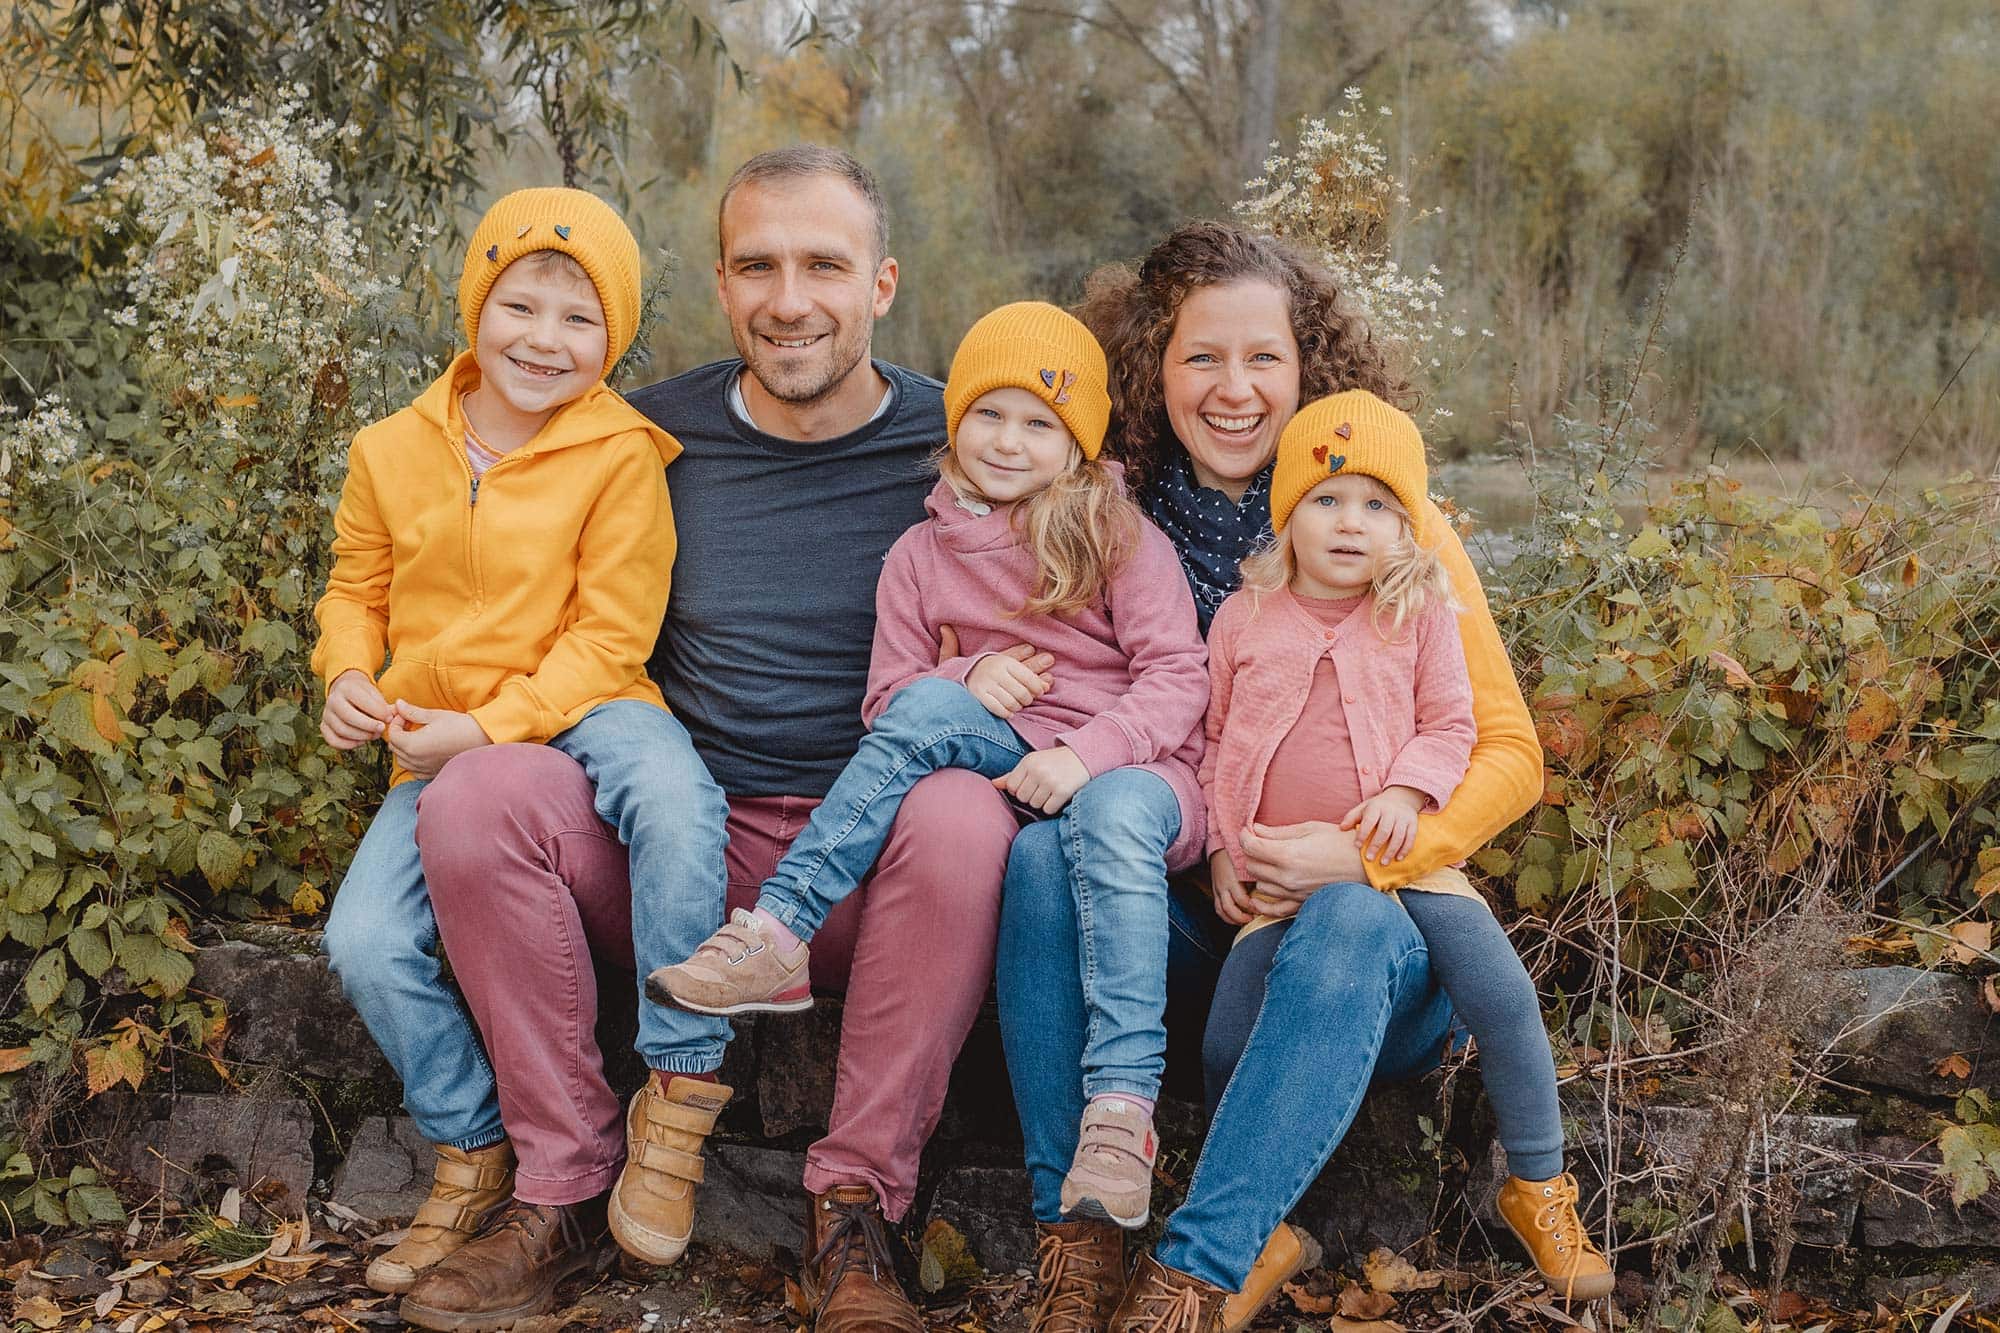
(525, 598)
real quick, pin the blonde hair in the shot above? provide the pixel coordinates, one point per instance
(1408, 578)
(1080, 528)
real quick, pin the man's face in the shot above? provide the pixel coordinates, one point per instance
(801, 284)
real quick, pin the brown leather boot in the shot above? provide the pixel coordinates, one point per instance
(1160, 1300)
(850, 1278)
(465, 1187)
(510, 1270)
(1081, 1274)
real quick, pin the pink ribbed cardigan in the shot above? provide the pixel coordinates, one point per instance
(1407, 701)
(1131, 675)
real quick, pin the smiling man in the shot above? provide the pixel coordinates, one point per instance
(802, 461)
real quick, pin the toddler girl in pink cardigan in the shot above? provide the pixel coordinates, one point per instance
(1338, 693)
(1074, 677)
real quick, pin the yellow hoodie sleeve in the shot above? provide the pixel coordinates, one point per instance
(626, 547)
(1504, 778)
(353, 615)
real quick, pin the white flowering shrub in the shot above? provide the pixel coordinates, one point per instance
(160, 756)
(1337, 196)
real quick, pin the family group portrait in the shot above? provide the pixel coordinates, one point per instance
(1089, 666)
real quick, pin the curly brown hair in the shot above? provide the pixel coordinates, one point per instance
(1133, 313)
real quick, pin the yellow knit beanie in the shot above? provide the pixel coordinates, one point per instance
(580, 225)
(1033, 345)
(1353, 432)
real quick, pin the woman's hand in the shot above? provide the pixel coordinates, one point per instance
(355, 711)
(1230, 894)
(425, 739)
(1296, 861)
(1046, 779)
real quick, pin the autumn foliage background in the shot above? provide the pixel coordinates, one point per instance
(1700, 301)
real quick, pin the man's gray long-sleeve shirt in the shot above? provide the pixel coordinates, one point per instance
(764, 652)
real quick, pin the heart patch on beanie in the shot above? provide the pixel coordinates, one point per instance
(493, 254)
(562, 231)
(1344, 431)
(1333, 464)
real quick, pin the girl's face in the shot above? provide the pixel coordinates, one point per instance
(1010, 444)
(1230, 376)
(1340, 533)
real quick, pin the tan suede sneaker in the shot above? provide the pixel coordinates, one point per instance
(737, 970)
(465, 1187)
(1542, 1216)
(652, 1205)
(1162, 1300)
(1111, 1175)
(1289, 1252)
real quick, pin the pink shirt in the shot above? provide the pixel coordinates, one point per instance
(1313, 773)
(1405, 704)
(1131, 678)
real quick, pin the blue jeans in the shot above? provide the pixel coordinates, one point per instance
(929, 724)
(673, 819)
(1349, 999)
(1111, 840)
(382, 938)
(382, 941)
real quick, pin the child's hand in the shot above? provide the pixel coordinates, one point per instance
(1386, 824)
(423, 739)
(1226, 887)
(1006, 682)
(355, 711)
(1046, 779)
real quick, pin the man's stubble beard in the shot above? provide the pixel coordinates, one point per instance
(808, 384)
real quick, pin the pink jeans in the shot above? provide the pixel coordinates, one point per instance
(528, 885)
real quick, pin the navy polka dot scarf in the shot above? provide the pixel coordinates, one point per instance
(1211, 532)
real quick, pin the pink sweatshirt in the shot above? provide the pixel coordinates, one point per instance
(1131, 677)
(1408, 703)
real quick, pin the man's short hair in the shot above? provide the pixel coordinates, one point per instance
(806, 159)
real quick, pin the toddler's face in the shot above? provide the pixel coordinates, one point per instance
(1340, 533)
(1011, 444)
(541, 337)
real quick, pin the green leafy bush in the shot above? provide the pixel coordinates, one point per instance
(161, 755)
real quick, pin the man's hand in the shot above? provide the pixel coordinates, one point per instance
(424, 739)
(355, 711)
(1298, 860)
(1231, 895)
(1046, 779)
(1385, 825)
(1006, 682)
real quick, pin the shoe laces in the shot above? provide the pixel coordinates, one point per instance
(857, 1228)
(1173, 1310)
(533, 1223)
(1557, 1216)
(1067, 1305)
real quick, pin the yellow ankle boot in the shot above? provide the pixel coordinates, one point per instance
(1542, 1216)
(465, 1188)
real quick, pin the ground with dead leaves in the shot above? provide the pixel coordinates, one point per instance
(200, 1272)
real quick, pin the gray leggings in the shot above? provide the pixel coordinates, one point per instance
(1472, 959)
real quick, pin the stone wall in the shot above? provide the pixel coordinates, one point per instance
(315, 1109)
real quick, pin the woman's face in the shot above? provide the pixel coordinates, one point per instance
(1231, 380)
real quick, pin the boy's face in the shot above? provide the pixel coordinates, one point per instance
(801, 283)
(541, 337)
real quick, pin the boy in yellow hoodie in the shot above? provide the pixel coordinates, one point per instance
(506, 540)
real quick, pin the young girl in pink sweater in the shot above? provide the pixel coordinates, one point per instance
(1339, 694)
(1076, 681)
